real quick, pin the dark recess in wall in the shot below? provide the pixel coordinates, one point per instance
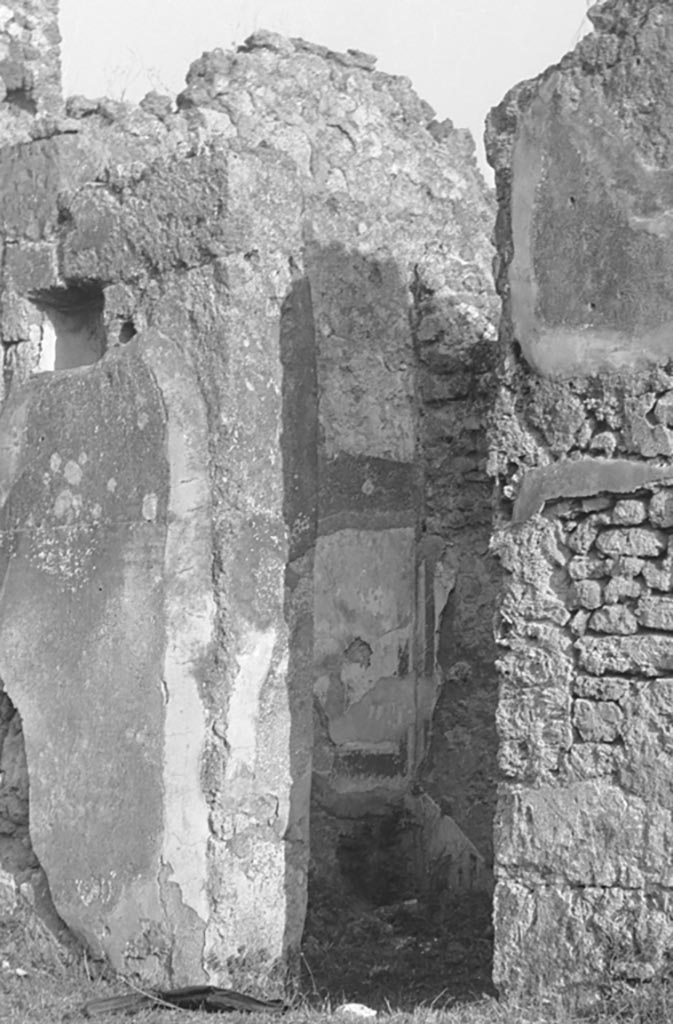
(22, 99)
(76, 314)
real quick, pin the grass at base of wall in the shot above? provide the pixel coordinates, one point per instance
(42, 984)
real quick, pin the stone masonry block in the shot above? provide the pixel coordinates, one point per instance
(650, 655)
(533, 716)
(636, 541)
(659, 575)
(587, 567)
(586, 594)
(601, 687)
(629, 512)
(592, 761)
(30, 266)
(626, 565)
(553, 937)
(664, 414)
(614, 618)
(251, 428)
(582, 538)
(597, 721)
(621, 588)
(582, 478)
(583, 834)
(661, 509)
(580, 622)
(655, 612)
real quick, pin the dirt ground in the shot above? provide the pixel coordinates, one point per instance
(400, 955)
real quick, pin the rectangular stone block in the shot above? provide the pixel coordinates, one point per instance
(614, 618)
(581, 478)
(597, 721)
(626, 566)
(591, 761)
(601, 687)
(649, 655)
(636, 541)
(558, 938)
(620, 588)
(533, 716)
(587, 567)
(588, 833)
(661, 509)
(655, 612)
(659, 575)
(582, 538)
(629, 512)
(586, 594)
(646, 765)
(30, 266)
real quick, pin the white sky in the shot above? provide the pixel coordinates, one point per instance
(461, 55)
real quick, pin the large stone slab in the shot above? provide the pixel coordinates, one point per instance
(650, 655)
(551, 939)
(589, 833)
(106, 614)
(582, 478)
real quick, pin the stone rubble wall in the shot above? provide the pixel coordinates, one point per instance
(17, 853)
(581, 449)
(460, 579)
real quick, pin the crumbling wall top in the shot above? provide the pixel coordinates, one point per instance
(618, 58)
(289, 85)
(215, 75)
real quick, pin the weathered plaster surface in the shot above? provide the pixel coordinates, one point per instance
(591, 267)
(366, 684)
(189, 609)
(80, 592)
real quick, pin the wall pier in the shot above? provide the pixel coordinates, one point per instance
(581, 449)
(213, 489)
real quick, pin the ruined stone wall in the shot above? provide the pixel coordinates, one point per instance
(460, 578)
(582, 452)
(30, 103)
(173, 825)
(14, 837)
(395, 229)
(232, 335)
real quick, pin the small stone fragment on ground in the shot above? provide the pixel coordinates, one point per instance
(356, 1010)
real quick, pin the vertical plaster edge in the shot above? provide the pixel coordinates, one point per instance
(189, 620)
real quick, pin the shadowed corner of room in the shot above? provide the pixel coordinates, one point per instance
(378, 840)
